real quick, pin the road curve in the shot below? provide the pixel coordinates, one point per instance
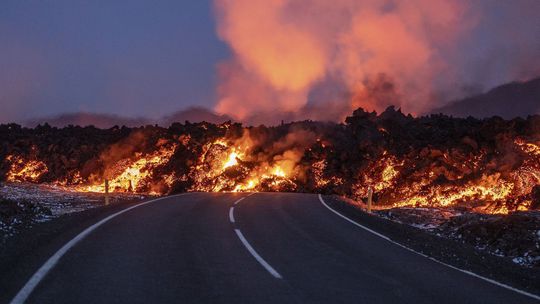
(222, 248)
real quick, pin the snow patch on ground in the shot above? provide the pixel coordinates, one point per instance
(24, 204)
(515, 236)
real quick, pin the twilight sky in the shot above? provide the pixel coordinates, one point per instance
(132, 58)
(150, 58)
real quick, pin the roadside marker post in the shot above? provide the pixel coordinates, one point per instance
(369, 199)
(106, 191)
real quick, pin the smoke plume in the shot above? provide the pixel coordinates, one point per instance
(411, 54)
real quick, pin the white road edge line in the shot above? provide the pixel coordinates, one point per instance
(238, 201)
(231, 215)
(42, 272)
(522, 292)
(259, 259)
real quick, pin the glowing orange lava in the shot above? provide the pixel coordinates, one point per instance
(486, 193)
(23, 170)
(225, 166)
(132, 175)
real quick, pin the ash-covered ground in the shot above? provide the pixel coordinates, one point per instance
(24, 204)
(515, 236)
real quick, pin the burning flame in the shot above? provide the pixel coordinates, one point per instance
(231, 161)
(279, 172)
(132, 176)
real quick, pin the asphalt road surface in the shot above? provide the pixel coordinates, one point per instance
(265, 248)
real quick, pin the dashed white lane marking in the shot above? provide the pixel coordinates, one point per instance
(528, 294)
(257, 257)
(231, 211)
(231, 215)
(40, 274)
(248, 246)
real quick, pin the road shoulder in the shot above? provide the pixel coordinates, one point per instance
(25, 252)
(457, 254)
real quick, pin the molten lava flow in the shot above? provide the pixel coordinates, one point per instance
(135, 175)
(277, 171)
(454, 181)
(388, 174)
(491, 189)
(321, 180)
(529, 148)
(229, 166)
(318, 173)
(25, 170)
(492, 174)
(381, 174)
(231, 160)
(427, 193)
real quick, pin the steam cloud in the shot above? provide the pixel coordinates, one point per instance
(376, 53)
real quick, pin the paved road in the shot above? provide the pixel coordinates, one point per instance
(272, 248)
